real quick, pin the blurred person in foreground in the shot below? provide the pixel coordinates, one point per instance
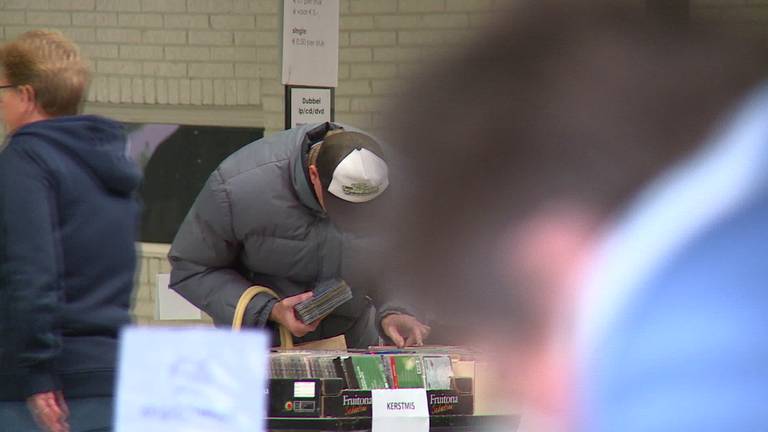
(68, 222)
(288, 212)
(520, 177)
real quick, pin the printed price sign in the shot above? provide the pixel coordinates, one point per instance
(311, 42)
(403, 410)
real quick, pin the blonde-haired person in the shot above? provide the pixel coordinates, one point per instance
(68, 217)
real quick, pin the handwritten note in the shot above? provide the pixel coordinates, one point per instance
(191, 379)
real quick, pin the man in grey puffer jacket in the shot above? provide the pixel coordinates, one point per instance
(264, 217)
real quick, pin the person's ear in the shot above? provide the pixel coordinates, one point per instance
(27, 93)
(317, 185)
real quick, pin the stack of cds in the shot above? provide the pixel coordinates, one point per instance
(329, 295)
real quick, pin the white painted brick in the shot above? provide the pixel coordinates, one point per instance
(25, 4)
(80, 34)
(48, 18)
(241, 54)
(273, 122)
(397, 22)
(96, 19)
(164, 69)
(254, 93)
(196, 92)
(141, 52)
(359, 120)
(267, 22)
(100, 86)
(396, 54)
(140, 20)
(164, 37)
(184, 85)
(242, 91)
(344, 39)
(187, 53)
(249, 70)
(466, 6)
(353, 87)
(208, 92)
(372, 38)
(359, 71)
(231, 92)
(70, 5)
(125, 90)
(421, 6)
(272, 87)
(342, 103)
(210, 38)
(173, 91)
(344, 71)
(118, 35)
(272, 103)
(99, 51)
(388, 87)
(267, 55)
(211, 70)
(372, 6)
(355, 55)
(164, 5)
(162, 91)
(187, 22)
(208, 6)
(118, 67)
(12, 32)
(431, 37)
(219, 89)
(264, 6)
(353, 22)
(233, 22)
(114, 89)
(368, 104)
(149, 91)
(119, 5)
(137, 90)
(446, 21)
(256, 38)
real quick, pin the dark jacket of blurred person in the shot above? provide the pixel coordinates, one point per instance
(68, 223)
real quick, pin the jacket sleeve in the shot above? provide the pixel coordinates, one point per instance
(204, 258)
(29, 270)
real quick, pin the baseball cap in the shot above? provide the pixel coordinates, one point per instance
(352, 167)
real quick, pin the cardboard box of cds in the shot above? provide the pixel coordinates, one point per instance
(310, 385)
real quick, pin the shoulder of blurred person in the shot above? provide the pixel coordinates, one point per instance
(679, 290)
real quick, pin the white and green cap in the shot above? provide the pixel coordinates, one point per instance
(352, 168)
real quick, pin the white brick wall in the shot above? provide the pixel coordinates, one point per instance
(226, 52)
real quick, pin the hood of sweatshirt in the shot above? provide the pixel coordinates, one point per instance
(97, 142)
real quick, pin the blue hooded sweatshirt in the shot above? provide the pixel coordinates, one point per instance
(68, 223)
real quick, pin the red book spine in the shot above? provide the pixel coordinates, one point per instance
(395, 383)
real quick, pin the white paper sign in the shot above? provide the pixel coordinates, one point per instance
(310, 105)
(311, 42)
(193, 379)
(401, 410)
(170, 305)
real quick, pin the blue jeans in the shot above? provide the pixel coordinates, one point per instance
(85, 415)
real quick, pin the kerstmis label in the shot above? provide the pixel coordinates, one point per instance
(404, 410)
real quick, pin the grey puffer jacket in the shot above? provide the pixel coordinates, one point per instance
(257, 222)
